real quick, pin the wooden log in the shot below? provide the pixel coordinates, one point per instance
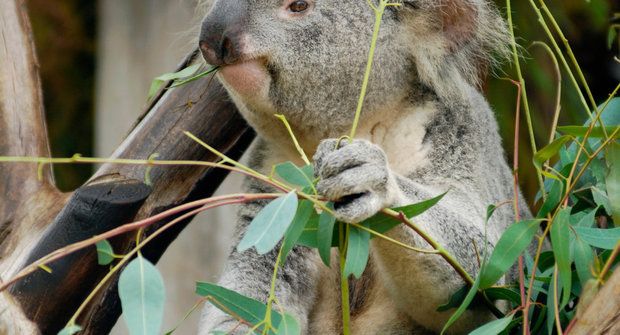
(92, 210)
(602, 316)
(201, 107)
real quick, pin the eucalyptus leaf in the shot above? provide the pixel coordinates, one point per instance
(325, 235)
(105, 253)
(463, 307)
(511, 244)
(358, 248)
(158, 82)
(553, 198)
(456, 299)
(304, 211)
(600, 238)
(70, 330)
(270, 224)
(549, 151)
(502, 293)
(612, 180)
(560, 242)
(580, 131)
(382, 223)
(142, 292)
(288, 326)
(494, 327)
(249, 310)
(294, 175)
(584, 259)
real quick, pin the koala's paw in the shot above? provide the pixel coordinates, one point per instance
(356, 177)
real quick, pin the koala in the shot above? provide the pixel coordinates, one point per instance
(425, 129)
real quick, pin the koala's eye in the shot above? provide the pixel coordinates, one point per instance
(298, 6)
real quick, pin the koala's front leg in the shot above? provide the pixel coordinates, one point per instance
(250, 274)
(356, 176)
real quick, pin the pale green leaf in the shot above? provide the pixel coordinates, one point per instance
(512, 243)
(142, 293)
(70, 330)
(158, 82)
(358, 248)
(293, 175)
(105, 253)
(494, 327)
(288, 326)
(584, 259)
(270, 224)
(600, 238)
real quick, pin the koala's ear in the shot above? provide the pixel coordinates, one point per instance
(459, 19)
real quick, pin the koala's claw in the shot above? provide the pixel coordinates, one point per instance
(355, 176)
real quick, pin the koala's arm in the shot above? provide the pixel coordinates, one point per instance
(358, 176)
(250, 274)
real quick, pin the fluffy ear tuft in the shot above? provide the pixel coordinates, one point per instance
(458, 19)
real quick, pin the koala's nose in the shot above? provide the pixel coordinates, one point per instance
(222, 33)
(219, 50)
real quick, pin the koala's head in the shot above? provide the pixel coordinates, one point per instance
(306, 58)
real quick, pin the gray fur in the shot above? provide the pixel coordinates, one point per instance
(425, 130)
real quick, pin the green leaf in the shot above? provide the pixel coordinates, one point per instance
(600, 238)
(205, 73)
(549, 151)
(580, 131)
(304, 211)
(309, 235)
(601, 199)
(456, 299)
(70, 330)
(325, 235)
(294, 175)
(105, 253)
(382, 223)
(494, 327)
(560, 242)
(270, 224)
(158, 82)
(587, 220)
(553, 198)
(142, 292)
(468, 299)
(584, 258)
(288, 326)
(512, 243)
(249, 310)
(612, 180)
(358, 248)
(551, 302)
(501, 293)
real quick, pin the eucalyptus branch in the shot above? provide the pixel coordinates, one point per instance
(526, 104)
(379, 11)
(62, 252)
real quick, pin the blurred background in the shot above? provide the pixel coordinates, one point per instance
(98, 59)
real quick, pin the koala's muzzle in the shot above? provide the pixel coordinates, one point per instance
(222, 32)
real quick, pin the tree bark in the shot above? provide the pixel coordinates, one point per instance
(37, 219)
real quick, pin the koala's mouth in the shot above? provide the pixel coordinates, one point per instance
(247, 77)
